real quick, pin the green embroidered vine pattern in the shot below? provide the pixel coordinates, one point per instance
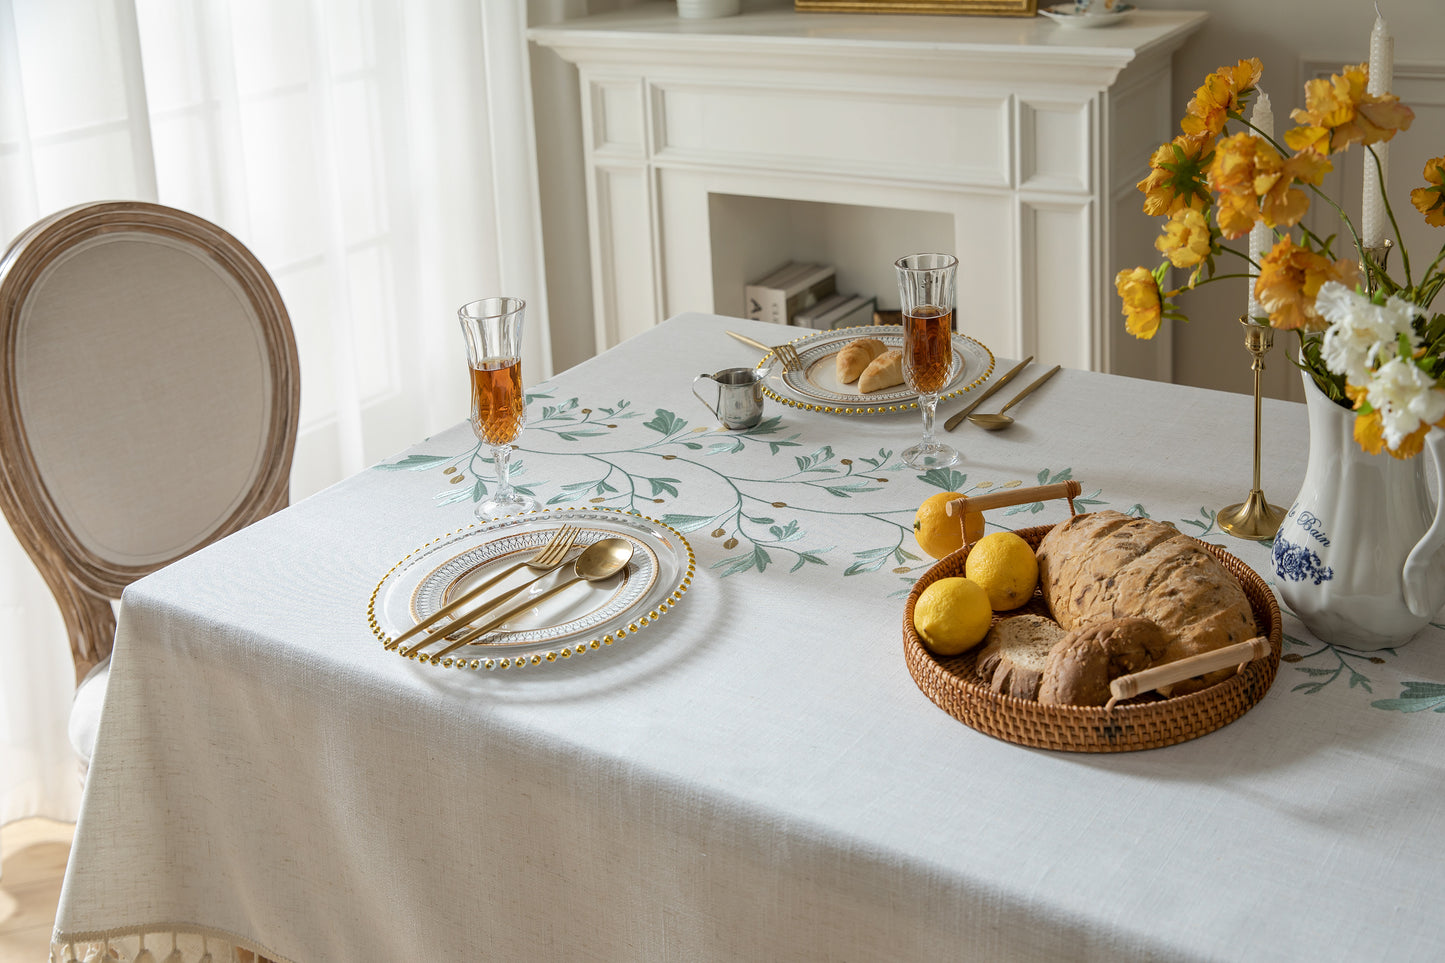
(760, 531)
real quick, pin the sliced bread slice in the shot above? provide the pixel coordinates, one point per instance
(1015, 652)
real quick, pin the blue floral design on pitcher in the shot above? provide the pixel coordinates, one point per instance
(1298, 563)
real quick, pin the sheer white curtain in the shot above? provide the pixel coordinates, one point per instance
(375, 155)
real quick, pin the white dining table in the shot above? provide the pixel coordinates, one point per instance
(753, 774)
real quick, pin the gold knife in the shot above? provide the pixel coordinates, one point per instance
(954, 420)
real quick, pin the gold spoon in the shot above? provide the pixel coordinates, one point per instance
(1000, 420)
(955, 419)
(599, 560)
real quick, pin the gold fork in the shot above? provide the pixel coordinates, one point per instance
(785, 353)
(546, 558)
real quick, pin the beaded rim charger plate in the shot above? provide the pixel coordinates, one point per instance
(816, 386)
(581, 618)
(1147, 723)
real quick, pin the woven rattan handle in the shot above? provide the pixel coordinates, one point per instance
(1239, 654)
(971, 507)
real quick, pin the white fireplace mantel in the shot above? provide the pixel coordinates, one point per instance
(1013, 142)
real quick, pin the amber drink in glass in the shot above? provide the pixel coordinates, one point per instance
(492, 328)
(926, 284)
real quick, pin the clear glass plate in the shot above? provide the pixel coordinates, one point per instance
(816, 387)
(582, 617)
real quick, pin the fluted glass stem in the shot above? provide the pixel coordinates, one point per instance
(502, 461)
(929, 406)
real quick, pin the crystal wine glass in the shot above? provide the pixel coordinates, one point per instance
(926, 284)
(493, 331)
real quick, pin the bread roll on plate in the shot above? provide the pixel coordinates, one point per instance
(885, 371)
(855, 356)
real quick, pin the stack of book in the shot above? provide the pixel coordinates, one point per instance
(837, 311)
(791, 288)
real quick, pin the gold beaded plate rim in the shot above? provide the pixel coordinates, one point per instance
(974, 360)
(676, 560)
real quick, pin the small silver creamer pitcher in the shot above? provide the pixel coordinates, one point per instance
(739, 402)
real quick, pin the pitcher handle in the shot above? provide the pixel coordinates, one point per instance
(1423, 558)
(714, 408)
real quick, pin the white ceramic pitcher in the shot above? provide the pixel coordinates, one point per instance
(1360, 558)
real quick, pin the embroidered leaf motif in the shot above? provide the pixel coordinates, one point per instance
(660, 485)
(805, 557)
(415, 463)
(786, 533)
(944, 479)
(686, 523)
(1416, 697)
(1205, 522)
(767, 426)
(665, 422)
(814, 462)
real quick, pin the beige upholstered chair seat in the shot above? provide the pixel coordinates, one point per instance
(148, 406)
(85, 711)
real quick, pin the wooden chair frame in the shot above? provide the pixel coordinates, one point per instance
(82, 582)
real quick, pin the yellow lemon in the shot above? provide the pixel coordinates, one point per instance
(952, 616)
(937, 532)
(1005, 567)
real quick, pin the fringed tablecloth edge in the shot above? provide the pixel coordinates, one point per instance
(99, 945)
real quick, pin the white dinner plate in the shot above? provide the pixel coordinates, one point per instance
(1067, 15)
(816, 387)
(582, 617)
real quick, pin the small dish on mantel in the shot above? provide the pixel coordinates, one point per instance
(1069, 15)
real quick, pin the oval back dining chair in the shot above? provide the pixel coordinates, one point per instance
(149, 389)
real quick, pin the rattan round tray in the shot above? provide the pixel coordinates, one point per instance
(1149, 722)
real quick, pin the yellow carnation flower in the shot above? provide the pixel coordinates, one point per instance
(1176, 176)
(1341, 111)
(1430, 201)
(1290, 277)
(1220, 96)
(1185, 241)
(1142, 307)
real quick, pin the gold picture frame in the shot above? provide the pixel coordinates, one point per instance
(986, 8)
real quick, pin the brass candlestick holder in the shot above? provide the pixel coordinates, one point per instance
(1254, 518)
(1380, 255)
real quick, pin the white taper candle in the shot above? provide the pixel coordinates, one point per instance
(1262, 117)
(1382, 68)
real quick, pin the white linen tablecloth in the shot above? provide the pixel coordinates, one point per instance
(755, 776)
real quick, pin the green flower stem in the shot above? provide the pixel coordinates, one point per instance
(1209, 280)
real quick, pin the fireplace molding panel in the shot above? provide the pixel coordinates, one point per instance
(1017, 142)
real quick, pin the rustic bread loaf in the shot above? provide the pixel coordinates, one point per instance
(1015, 650)
(1081, 666)
(1108, 565)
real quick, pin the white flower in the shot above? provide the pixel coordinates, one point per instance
(1406, 398)
(1360, 331)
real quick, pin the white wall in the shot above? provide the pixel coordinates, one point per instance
(1209, 351)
